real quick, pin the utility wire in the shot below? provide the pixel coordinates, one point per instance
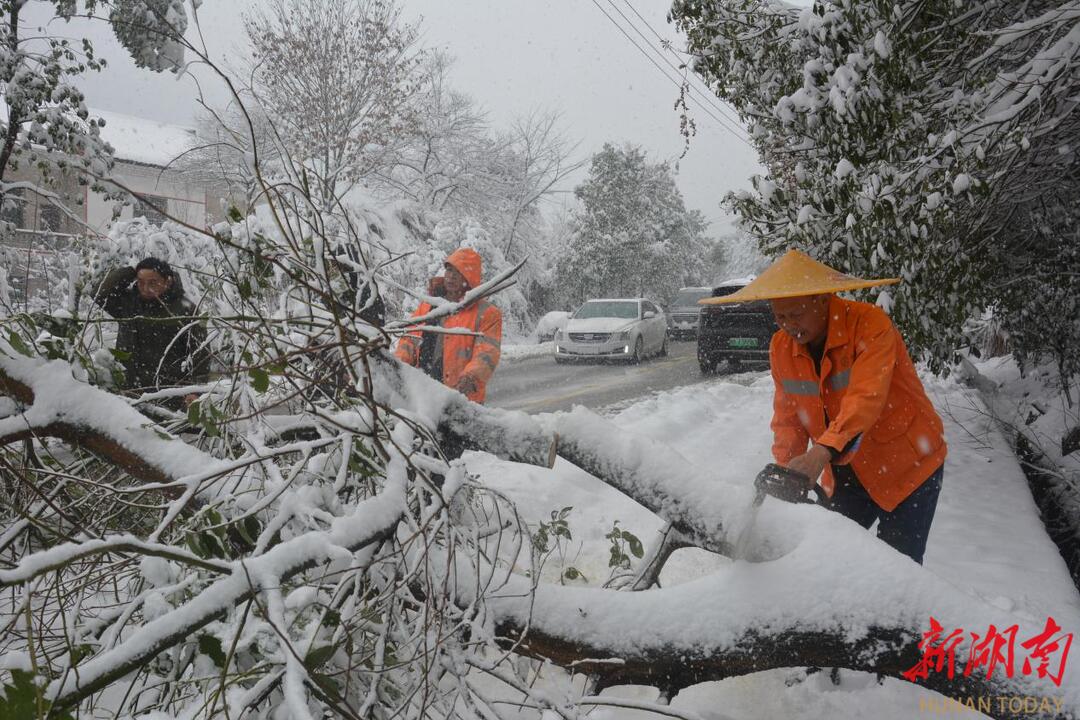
(663, 72)
(709, 96)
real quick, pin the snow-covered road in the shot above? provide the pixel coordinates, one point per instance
(538, 384)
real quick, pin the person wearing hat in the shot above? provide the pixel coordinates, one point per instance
(848, 405)
(462, 361)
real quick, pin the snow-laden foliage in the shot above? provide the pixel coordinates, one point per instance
(45, 125)
(151, 30)
(932, 141)
(633, 235)
(44, 122)
(309, 528)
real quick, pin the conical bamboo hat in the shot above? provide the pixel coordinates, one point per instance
(794, 275)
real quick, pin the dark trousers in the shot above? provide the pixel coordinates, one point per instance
(905, 528)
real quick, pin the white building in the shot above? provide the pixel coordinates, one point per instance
(147, 153)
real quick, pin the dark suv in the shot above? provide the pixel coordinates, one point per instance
(736, 333)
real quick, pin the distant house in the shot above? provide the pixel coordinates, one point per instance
(146, 152)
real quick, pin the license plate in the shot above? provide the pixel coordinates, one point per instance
(743, 342)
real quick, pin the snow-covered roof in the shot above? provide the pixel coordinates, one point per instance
(145, 141)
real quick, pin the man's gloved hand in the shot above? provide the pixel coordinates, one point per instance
(467, 385)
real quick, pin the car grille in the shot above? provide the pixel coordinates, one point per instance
(756, 323)
(590, 337)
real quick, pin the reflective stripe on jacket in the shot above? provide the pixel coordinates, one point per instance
(879, 416)
(472, 355)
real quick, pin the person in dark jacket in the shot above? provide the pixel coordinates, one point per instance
(161, 344)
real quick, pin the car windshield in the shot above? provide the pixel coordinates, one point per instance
(685, 298)
(607, 308)
(725, 290)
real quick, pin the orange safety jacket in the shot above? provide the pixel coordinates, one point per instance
(472, 355)
(878, 415)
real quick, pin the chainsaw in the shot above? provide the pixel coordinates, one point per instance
(783, 484)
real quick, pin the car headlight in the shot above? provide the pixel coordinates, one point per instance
(624, 335)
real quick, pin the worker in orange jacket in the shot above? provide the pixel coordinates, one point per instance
(845, 385)
(462, 361)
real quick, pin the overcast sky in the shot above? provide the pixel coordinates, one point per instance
(512, 56)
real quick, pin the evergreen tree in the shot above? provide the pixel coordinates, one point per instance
(633, 235)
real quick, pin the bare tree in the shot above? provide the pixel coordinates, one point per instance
(541, 157)
(457, 163)
(338, 80)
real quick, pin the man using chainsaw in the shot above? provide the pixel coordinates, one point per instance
(846, 387)
(464, 361)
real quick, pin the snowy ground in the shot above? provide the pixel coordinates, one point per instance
(987, 537)
(512, 352)
(1036, 404)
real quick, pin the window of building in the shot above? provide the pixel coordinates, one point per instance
(150, 207)
(50, 218)
(14, 209)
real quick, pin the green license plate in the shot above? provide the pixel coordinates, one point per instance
(742, 342)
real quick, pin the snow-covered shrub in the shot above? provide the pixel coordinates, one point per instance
(551, 323)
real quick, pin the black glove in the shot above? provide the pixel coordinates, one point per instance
(783, 483)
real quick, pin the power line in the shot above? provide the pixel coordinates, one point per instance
(664, 72)
(708, 95)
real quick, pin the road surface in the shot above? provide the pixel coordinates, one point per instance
(541, 385)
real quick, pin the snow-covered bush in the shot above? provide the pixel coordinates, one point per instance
(551, 323)
(633, 235)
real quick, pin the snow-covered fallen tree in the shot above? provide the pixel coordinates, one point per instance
(414, 549)
(305, 540)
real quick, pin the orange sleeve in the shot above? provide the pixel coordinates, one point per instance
(408, 347)
(488, 347)
(876, 343)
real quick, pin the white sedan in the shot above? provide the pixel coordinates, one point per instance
(622, 328)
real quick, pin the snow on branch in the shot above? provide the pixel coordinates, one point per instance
(866, 612)
(460, 424)
(64, 407)
(373, 521)
(699, 504)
